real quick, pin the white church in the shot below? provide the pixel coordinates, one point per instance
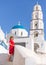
(35, 40)
(29, 49)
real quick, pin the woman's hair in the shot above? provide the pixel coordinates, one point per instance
(11, 37)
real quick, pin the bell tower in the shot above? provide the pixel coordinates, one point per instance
(37, 26)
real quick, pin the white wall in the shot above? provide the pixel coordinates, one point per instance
(18, 32)
(24, 56)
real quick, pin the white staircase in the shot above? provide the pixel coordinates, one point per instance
(23, 56)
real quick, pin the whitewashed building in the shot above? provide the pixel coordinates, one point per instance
(30, 49)
(35, 40)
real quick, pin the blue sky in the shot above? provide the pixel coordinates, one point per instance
(13, 11)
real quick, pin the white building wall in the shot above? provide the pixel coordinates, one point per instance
(19, 32)
(15, 32)
(40, 24)
(36, 14)
(30, 44)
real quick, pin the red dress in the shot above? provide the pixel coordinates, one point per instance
(11, 47)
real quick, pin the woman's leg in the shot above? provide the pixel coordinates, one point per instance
(9, 56)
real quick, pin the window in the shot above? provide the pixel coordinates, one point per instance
(21, 33)
(36, 25)
(36, 15)
(36, 34)
(37, 8)
(15, 33)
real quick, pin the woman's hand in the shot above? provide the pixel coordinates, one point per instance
(12, 44)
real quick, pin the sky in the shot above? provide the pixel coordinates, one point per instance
(13, 11)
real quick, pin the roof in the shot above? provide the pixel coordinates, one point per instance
(18, 26)
(37, 7)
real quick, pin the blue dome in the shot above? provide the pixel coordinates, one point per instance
(18, 26)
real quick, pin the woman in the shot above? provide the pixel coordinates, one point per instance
(11, 47)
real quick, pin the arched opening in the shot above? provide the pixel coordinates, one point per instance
(36, 46)
(36, 25)
(35, 34)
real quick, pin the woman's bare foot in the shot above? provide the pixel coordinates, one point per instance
(8, 59)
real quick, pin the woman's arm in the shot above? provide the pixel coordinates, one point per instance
(12, 44)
